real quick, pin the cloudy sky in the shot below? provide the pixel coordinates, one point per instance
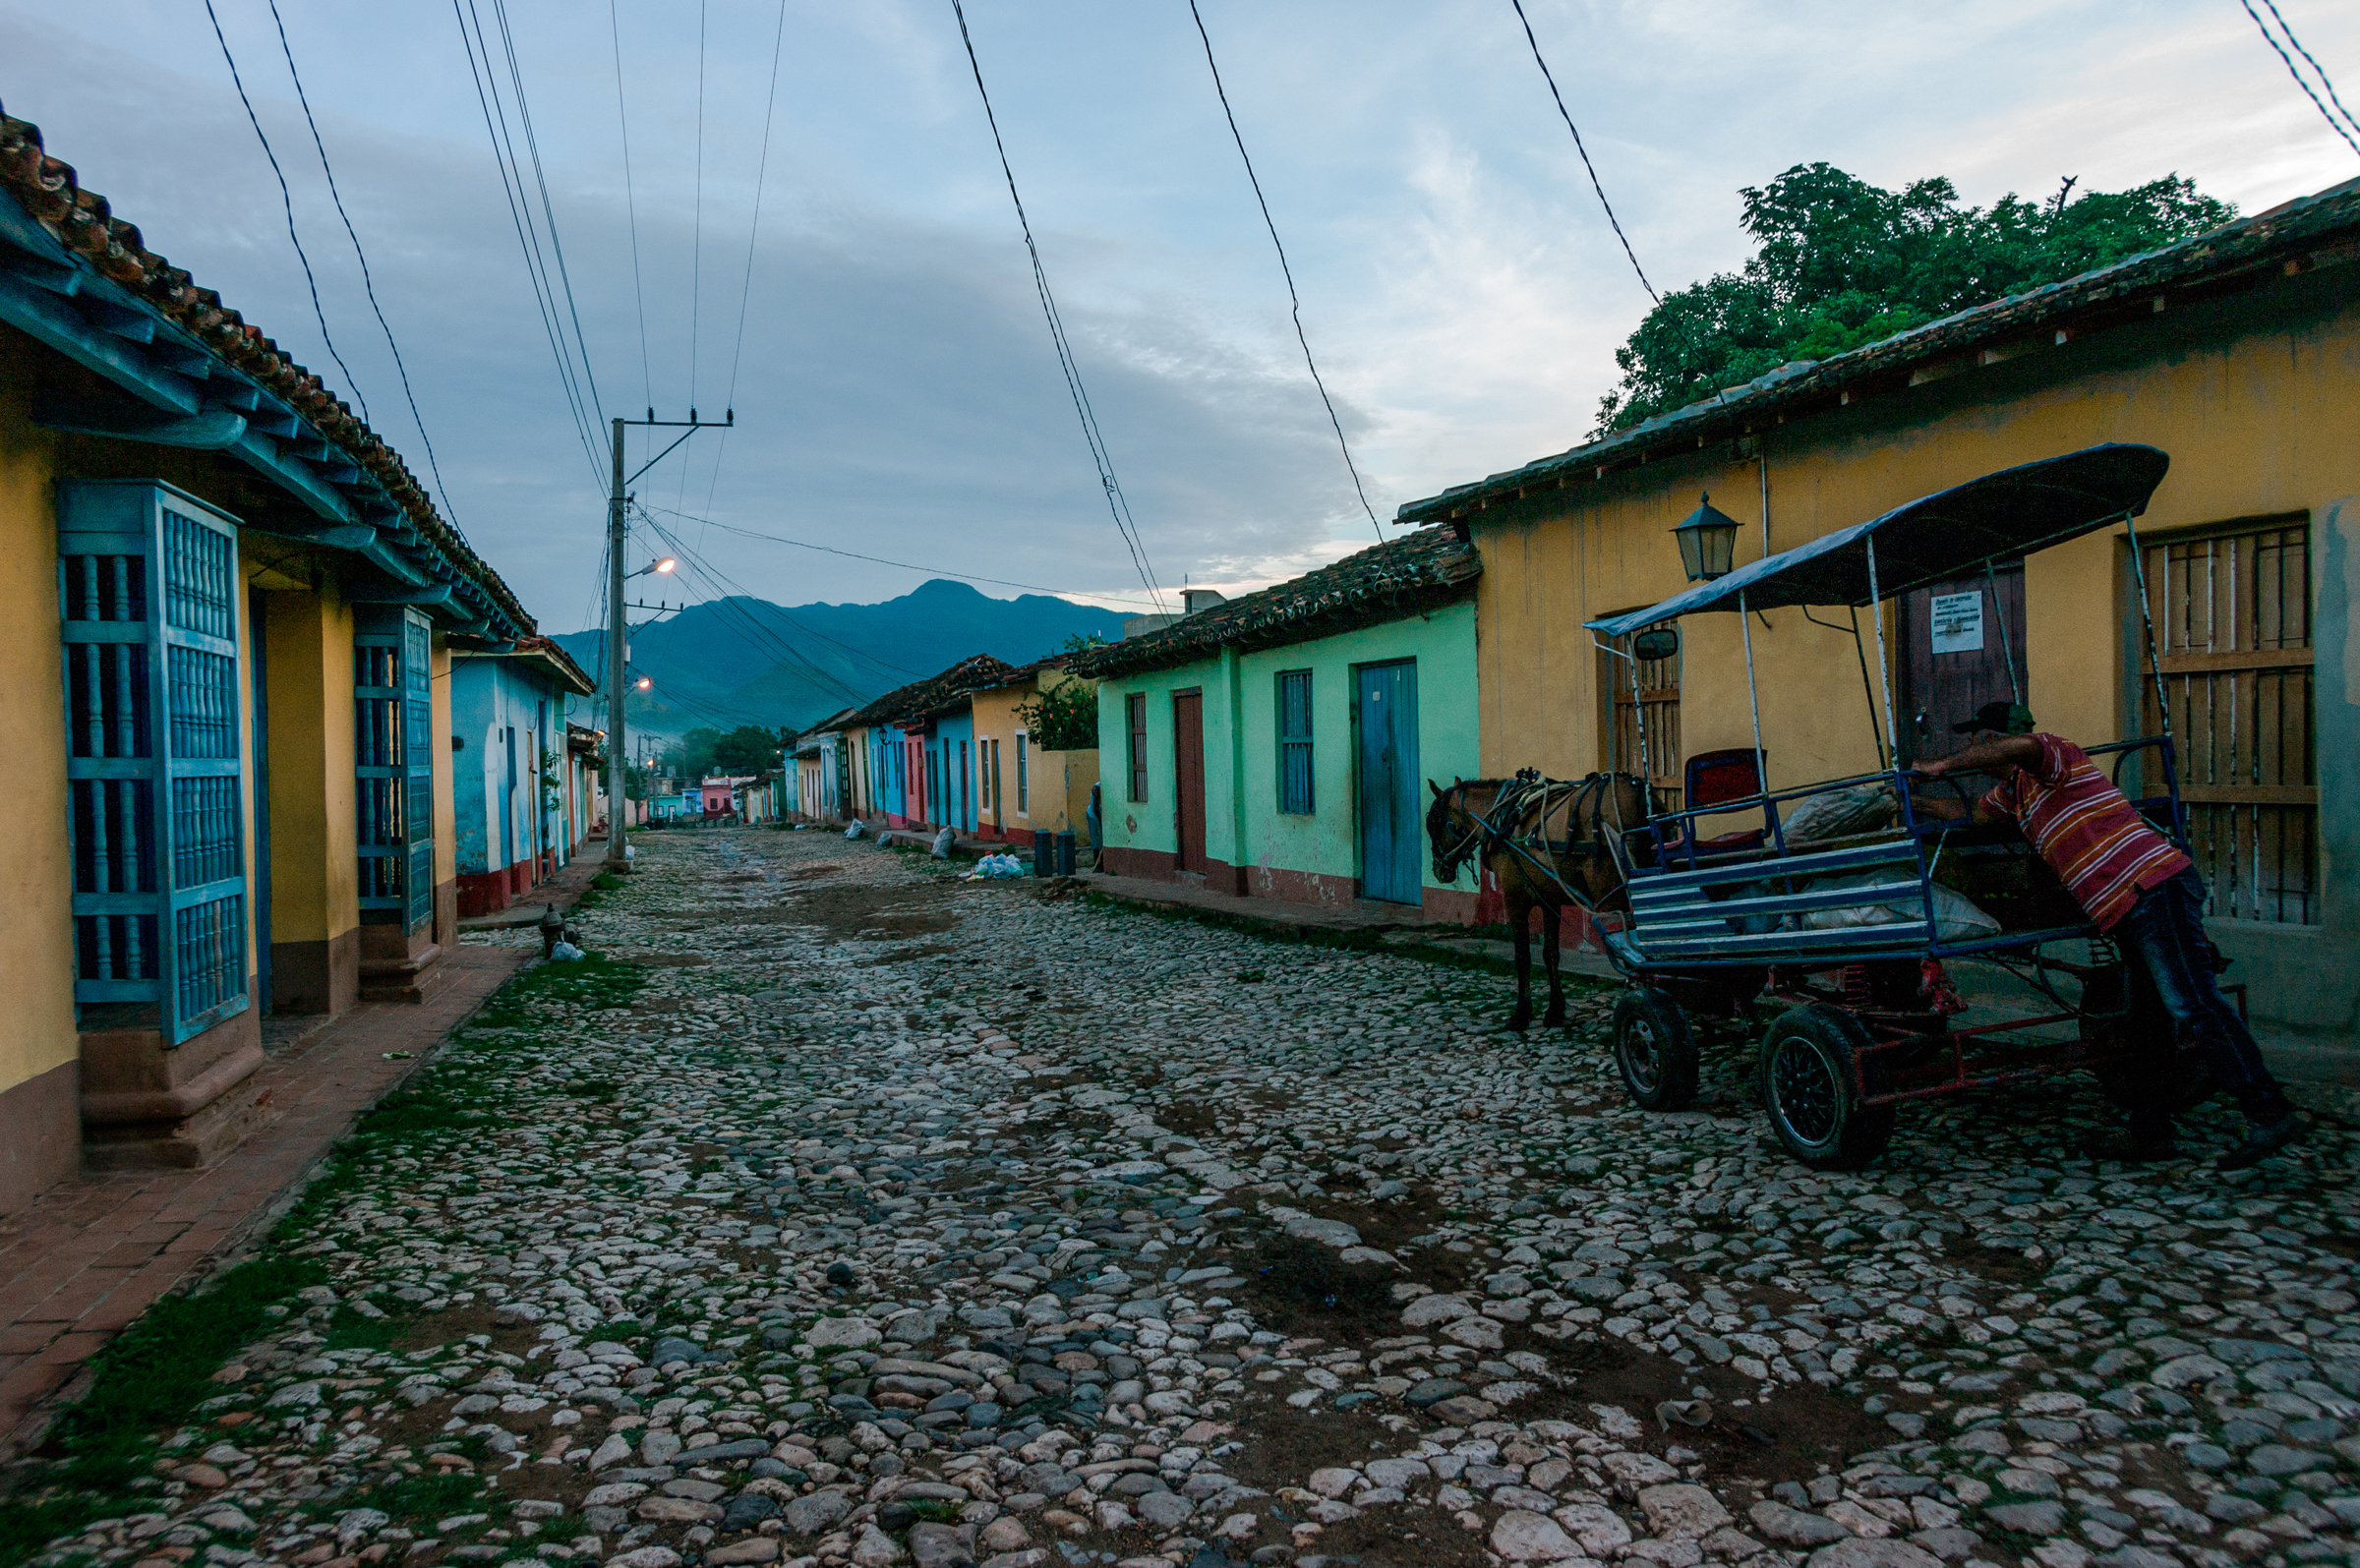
(895, 388)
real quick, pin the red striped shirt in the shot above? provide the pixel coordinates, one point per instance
(2090, 836)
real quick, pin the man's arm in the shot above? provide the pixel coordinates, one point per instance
(2008, 751)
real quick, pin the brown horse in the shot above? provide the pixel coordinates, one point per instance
(1545, 842)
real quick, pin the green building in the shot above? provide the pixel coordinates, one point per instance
(1278, 745)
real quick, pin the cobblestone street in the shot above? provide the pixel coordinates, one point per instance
(841, 1211)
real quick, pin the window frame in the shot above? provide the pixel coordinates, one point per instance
(1135, 724)
(1291, 743)
(1023, 777)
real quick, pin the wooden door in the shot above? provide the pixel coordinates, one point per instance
(1386, 724)
(2232, 613)
(1188, 759)
(1957, 645)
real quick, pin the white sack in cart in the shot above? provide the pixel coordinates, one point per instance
(1834, 813)
(1956, 918)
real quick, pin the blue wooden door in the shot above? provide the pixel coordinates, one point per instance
(1385, 723)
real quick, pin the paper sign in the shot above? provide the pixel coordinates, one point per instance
(1958, 623)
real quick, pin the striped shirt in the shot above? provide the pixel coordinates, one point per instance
(2092, 836)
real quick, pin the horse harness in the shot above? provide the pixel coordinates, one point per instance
(1529, 793)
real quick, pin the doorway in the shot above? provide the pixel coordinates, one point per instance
(1962, 646)
(1188, 759)
(1386, 721)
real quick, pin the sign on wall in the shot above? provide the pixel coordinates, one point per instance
(1958, 623)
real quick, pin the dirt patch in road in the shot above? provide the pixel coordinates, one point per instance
(852, 914)
(665, 960)
(1296, 1285)
(1283, 1445)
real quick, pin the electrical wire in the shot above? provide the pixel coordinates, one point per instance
(487, 96)
(737, 589)
(1116, 503)
(1293, 298)
(557, 246)
(287, 199)
(2293, 71)
(715, 595)
(1595, 184)
(745, 292)
(2323, 80)
(630, 206)
(367, 282)
(936, 572)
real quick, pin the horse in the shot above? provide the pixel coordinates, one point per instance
(1510, 822)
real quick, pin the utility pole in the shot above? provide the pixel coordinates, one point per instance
(618, 858)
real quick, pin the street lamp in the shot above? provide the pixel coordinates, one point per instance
(664, 565)
(644, 682)
(1708, 538)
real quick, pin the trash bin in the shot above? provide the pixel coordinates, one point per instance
(1065, 853)
(1044, 853)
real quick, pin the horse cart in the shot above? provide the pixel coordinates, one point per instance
(1876, 934)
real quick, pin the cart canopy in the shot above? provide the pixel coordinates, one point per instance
(1997, 517)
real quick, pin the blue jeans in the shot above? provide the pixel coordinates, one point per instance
(2165, 928)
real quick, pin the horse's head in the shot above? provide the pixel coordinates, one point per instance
(1452, 831)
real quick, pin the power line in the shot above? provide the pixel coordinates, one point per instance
(367, 282)
(557, 246)
(714, 573)
(747, 626)
(2294, 72)
(938, 572)
(1295, 299)
(1116, 503)
(287, 199)
(745, 292)
(528, 240)
(631, 202)
(1595, 184)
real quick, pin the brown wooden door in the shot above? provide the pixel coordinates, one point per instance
(1188, 757)
(1956, 644)
(2232, 613)
(1642, 725)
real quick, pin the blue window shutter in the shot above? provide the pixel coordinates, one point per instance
(147, 593)
(393, 757)
(1294, 742)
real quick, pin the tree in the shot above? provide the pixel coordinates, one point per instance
(750, 748)
(1065, 716)
(1839, 264)
(691, 757)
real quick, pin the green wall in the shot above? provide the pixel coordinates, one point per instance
(1243, 825)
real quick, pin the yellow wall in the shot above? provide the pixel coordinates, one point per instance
(1059, 790)
(37, 918)
(314, 873)
(2256, 423)
(446, 810)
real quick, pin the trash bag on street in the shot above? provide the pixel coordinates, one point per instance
(942, 843)
(857, 829)
(997, 865)
(566, 952)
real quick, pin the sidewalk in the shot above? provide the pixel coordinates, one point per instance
(565, 890)
(1284, 917)
(90, 1254)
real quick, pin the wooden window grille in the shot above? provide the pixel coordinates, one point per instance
(1135, 711)
(2232, 611)
(393, 757)
(1023, 776)
(1294, 742)
(148, 580)
(1656, 704)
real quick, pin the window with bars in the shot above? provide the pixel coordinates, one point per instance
(1023, 776)
(1642, 717)
(1135, 713)
(2232, 613)
(148, 579)
(393, 765)
(1294, 742)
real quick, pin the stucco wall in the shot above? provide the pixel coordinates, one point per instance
(2252, 397)
(1243, 826)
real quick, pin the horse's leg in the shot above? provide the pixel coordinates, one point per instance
(1519, 919)
(1552, 916)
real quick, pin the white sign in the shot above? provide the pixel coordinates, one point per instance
(1958, 624)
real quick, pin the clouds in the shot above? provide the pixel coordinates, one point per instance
(898, 394)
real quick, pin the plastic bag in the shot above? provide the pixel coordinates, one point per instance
(856, 829)
(566, 952)
(998, 865)
(1834, 813)
(942, 843)
(1956, 918)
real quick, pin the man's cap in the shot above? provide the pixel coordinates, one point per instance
(2007, 718)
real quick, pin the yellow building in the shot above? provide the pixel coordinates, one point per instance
(1023, 789)
(229, 618)
(2236, 352)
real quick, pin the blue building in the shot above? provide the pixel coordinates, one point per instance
(508, 708)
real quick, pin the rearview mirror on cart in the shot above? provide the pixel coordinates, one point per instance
(1658, 642)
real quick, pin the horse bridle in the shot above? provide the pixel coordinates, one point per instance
(1512, 800)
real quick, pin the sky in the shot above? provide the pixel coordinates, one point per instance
(878, 334)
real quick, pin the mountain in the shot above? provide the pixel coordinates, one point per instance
(747, 660)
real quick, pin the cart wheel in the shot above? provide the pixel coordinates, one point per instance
(1809, 1085)
(1655, 1050)
(2148, 1070)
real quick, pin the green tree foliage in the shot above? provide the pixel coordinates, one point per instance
(691, 756)
(1839, 264)
(749, 748)
(1065, 718)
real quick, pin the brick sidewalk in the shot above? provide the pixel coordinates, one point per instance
(90, 1254)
